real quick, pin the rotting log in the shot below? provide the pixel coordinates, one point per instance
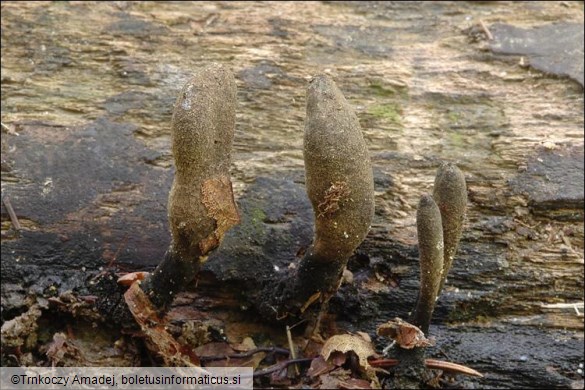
(87, 166)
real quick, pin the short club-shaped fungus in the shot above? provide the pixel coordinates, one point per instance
(450, 194)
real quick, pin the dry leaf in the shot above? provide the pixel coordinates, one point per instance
(246, 345)
(334, 378)
(224, 350)
(406, 335)
(219, 348)
(319, 366)
(337, 358)
(253, 360)
(17, 331)
(329, 382)
(349, 342)
(58, 348)
(145, 314)
(131, 277)
(353, 383)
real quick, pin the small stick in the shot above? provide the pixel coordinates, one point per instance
(280, 366)
(294, 370)
(11, 213)
(384, 362)
(577, 305)
(485, 29)
(9, 129)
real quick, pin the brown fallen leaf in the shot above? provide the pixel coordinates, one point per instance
(319, 366)
(21, 330)
(215, 349)
(78, 306)
(337, 358)
(354, 383)
(349, 342)
(333, 379)
(253, 360)
(406, 335)
(58, 348)
(131, 277)
(172, 352)
(226, 355)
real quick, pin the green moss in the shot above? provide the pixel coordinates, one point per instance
(378, 90)
(258, 215)
(453, 117)
(389, 112)
(456, 139)
(481, 310)
(253, 227)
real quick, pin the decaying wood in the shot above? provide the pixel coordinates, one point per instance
(88, 89)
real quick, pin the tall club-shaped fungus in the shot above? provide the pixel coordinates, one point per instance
(340, 186)
(201, 205)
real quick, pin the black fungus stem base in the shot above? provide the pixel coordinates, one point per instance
(170, 277)
(423, 313)
(292, 294)
(410, 372)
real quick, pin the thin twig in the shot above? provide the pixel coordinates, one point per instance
(485, 29)
(280, 366)
(11, 213)
(282, 351)
(294, 370)
(383, 362)
(578, 305)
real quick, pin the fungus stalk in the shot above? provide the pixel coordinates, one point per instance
(201, 206)
(340, 186)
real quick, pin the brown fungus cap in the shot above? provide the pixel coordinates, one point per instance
(338, 170)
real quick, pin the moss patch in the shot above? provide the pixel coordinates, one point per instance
(388, 112)
(379, 90)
